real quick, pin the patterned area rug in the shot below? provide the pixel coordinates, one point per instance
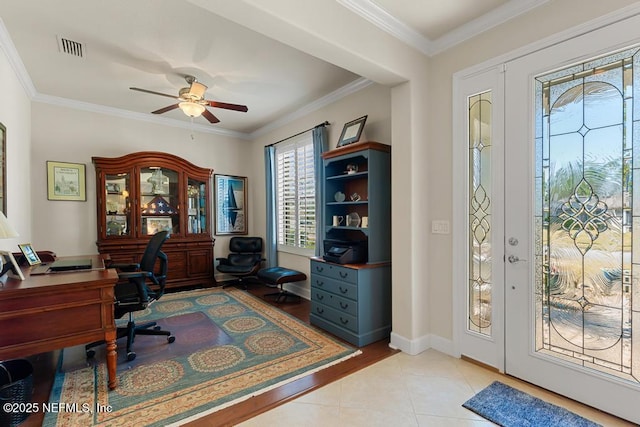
(509, 407)
(229, 347)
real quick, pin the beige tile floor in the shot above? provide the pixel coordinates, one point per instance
(403, 390)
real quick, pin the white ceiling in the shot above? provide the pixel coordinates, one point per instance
(152, 44)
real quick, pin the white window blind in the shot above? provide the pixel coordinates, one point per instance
(296, 193)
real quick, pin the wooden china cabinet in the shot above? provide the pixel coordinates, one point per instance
(142, 193)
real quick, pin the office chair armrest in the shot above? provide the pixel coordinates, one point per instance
(125, 267)
(135, 275)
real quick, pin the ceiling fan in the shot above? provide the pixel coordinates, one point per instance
(192, 101)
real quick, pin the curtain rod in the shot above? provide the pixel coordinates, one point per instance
(325, 123)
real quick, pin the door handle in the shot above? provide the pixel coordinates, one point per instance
(514, 259)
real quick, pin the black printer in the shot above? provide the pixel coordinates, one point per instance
(345, 252)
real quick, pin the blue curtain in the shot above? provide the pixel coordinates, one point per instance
(271, 239)
(320, 145)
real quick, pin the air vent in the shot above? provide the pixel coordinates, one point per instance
(71, 47)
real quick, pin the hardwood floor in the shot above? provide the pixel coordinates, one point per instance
(45, 365)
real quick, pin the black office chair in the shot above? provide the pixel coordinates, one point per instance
(134, 294)
(243, 261)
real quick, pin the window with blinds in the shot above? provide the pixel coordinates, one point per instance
(296, 193)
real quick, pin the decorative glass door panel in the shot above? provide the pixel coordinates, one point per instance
(479, 290)
(197, 208)
(159, 201)
(118, 204)
(587, 217)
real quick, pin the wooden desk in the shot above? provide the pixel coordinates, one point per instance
(52, 311)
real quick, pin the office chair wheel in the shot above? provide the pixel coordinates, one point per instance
(157, 328)
(171, 339)
(91, 354)
(131, 356)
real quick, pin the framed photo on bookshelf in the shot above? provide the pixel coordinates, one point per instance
(351, 131)
(155, 224)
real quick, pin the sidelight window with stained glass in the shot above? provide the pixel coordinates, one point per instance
(479, 190)
(587, 214)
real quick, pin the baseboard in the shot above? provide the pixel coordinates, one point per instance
(302, 291)
(417, 346)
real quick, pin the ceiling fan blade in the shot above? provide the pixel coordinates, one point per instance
(226, 106)
(165, 109)
(209, 116)
(153, 93)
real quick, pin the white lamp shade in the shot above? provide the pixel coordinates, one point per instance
(6, 230)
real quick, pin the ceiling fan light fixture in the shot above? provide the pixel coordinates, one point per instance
(191, 109)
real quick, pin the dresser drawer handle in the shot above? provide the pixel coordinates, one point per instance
(320, 310)
(319, 297)
(344, 306)
(344, 321)
(319, 269)
(343, 290)
(343, 275)
(319, 283)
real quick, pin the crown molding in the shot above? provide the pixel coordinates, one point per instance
(328, 99)
(373, 13)
(132, 115)
(389, 23)
(497, 16)
(9, 49)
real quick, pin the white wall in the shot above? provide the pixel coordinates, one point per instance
(69, 135)
(373, 101)
(15, 115)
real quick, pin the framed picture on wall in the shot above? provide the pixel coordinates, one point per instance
(66, 181)
(231, 204)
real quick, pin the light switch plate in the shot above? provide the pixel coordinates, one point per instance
(440, 227)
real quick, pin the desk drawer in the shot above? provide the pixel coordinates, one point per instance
(336, 317)
(337, 287)
(343, 304)
(334, 271)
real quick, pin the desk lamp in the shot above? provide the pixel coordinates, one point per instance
(6, 232)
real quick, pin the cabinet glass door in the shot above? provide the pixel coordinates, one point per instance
(159, 201)
(117, 204)
(196, 207)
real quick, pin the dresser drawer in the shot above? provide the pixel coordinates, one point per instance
(337, 287)
(334, 271)
(343, 304)
(336, 317)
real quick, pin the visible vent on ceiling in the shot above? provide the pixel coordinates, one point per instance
(71, 47)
